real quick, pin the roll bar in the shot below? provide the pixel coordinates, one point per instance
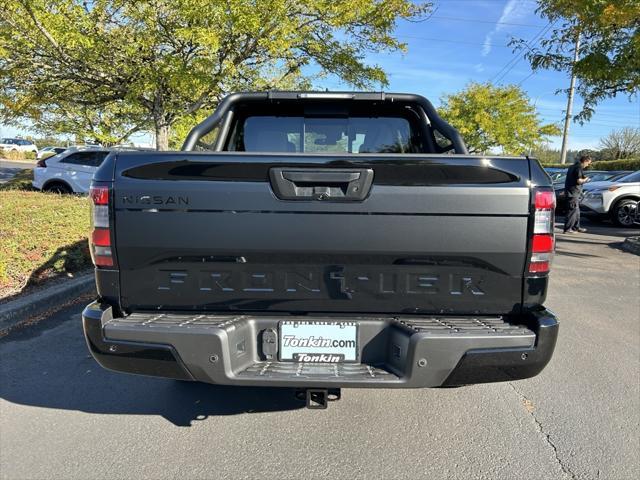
(226, 108)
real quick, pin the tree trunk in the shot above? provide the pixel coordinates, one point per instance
(162, 135)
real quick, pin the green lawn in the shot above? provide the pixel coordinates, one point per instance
(42, 235)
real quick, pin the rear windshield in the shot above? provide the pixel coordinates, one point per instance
(323, 135)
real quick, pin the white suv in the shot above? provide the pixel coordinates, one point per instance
(69, 171)
(18, 145)
(617, 199)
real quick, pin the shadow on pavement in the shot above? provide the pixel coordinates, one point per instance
(47, 367)
(602, 228)
(7, 173)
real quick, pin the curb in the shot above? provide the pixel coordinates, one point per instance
(632, 245)
(16, 311)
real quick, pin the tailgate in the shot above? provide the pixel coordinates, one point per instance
(220, 232)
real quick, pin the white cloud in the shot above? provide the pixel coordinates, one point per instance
(486, 46)
(512, 11)
(478, 67)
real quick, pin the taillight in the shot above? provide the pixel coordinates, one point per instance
(41, 163)
(100, 242)
(542, 243)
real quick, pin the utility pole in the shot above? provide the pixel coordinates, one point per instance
(567, 117)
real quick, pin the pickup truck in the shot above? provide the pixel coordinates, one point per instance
(320, 240)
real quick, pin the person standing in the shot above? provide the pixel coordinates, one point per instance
(573, 190)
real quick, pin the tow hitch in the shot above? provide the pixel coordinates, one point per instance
(318, 398)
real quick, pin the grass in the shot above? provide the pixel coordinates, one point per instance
(43, 236)
(17, 156)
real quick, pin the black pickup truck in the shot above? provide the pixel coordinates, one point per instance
(322, 240)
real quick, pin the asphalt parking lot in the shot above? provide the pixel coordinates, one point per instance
(62, 416)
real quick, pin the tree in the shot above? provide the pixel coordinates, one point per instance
(488, 116)
(545, 154)
(609, 55)
(152, 63)
(620, 144)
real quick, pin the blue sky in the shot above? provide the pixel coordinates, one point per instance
(466, 40)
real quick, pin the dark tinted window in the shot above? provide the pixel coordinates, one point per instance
(618, 176)
(323, 135)
(598, 176)
(634, 177)
(89, 159)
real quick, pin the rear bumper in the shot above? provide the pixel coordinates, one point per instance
(38, 180)
(401, 352)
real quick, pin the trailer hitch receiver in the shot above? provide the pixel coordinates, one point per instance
(318, 398)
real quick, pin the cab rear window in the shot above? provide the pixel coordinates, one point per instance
(323, 135)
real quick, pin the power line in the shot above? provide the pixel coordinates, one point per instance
(588, 124)
(451, 41)
(607, 116)
(512, 63)
(526, 78)
(529, 45)
(471, 20)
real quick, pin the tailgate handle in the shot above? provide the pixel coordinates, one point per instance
(320, 177)
(329, 184)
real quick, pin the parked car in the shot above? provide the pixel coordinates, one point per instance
(327, 241)
(49, 151)
(594, 175)
(614, 199)
(554, 172)
(18, 145)
(70, 171)
(618, 175)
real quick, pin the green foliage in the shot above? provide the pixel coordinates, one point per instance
(16, 155)
(47, 141)
(42, 236)
(106, 68)
(623, 143)
(609, 55)
(626, 164)
(617, 145)
(489, 116)
(545, 154)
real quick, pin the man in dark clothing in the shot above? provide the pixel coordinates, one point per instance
(573, 190)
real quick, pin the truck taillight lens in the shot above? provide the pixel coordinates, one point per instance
(543, 242)
(100, 243)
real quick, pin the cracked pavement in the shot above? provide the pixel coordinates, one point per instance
(62, 416)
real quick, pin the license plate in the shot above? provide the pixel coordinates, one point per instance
(318, 342)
